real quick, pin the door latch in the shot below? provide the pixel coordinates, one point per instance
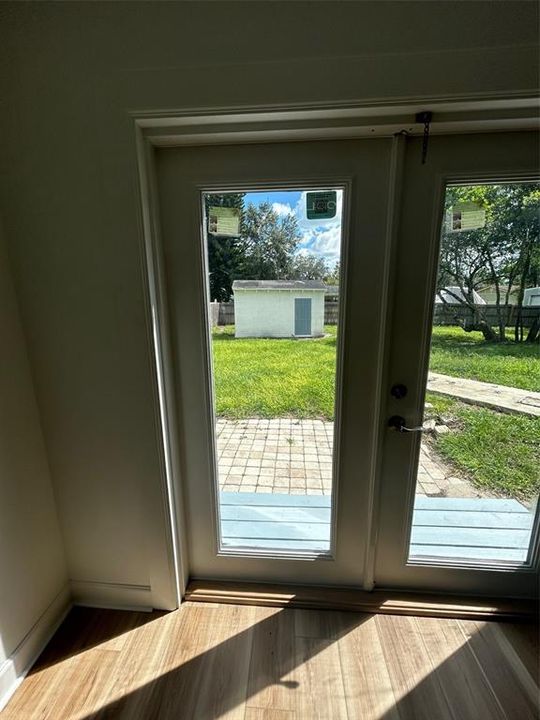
(398, 423)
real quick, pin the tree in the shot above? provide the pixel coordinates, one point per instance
(266, 249)
(268, 243)
(224, 255)
(332, 277)
(309, 267)
(503, 253)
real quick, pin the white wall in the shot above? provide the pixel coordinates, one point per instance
(270, 313)
(70, 72)
(33, 573)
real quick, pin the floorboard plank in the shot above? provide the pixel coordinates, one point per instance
(206, 661)
(253, 713)
(418, 690)
(319, 691)
(368, 687)
(500, 672)
(272, 662)
(461, 677)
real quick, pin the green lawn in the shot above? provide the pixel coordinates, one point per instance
(455, 352)
(273, 378)
(497, 451)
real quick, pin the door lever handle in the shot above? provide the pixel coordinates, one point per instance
(398, 423)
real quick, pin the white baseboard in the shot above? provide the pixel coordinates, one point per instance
(119, 596)
(14, 669)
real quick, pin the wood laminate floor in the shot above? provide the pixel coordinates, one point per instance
(208, 661)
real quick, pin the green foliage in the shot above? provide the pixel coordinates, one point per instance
(266, 249)
(332, 278)
(309, 267)
(268, 243)
(466, 355)
(505, 253)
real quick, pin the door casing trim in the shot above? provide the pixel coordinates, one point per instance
(205, 126)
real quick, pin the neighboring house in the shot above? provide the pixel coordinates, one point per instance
(531, 297)
(453, 294)
(279, 308)
(489, 293)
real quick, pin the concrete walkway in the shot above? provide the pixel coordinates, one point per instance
(498, 397)
(285, 455)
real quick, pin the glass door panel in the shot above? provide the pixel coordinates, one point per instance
(460, 480)
(273, 278)
(478, 473)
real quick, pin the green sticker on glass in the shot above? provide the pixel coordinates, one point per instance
(321, 205)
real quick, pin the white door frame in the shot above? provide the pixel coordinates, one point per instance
(201, 126)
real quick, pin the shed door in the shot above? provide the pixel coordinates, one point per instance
(302, 316)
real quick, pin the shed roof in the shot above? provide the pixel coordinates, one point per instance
(278, 285)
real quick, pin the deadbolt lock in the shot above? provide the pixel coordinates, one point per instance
(398, 391)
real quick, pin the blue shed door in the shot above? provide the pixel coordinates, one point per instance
(302, 316)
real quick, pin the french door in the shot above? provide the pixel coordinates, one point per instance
(279, 486)
(438, 527)
(277, 474)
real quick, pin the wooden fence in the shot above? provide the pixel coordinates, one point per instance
(223, 314)
(450, 314)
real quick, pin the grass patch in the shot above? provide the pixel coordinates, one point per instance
(274, 377)
(498, 452)
(467, 355)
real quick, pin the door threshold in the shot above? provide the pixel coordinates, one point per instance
(389, 602)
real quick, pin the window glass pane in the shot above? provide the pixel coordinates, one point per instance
(273, 261)
(478, 476)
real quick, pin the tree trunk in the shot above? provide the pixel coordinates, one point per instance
(495, 280)
(526, 255)
(489, 334)
(534, 330)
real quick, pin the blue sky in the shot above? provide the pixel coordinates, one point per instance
(319, 237)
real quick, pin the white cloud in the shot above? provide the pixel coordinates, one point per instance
(326, 243)
(282, 208)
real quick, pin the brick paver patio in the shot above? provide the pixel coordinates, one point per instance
(285, 455)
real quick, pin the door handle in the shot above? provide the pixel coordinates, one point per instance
(398, 423)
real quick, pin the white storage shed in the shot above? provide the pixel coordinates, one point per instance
(279, 308)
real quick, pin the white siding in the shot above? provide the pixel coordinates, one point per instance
(270, 313)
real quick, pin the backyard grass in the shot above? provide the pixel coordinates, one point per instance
(275, 378)
(498, 452)
(466, 355)
(271, 378)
